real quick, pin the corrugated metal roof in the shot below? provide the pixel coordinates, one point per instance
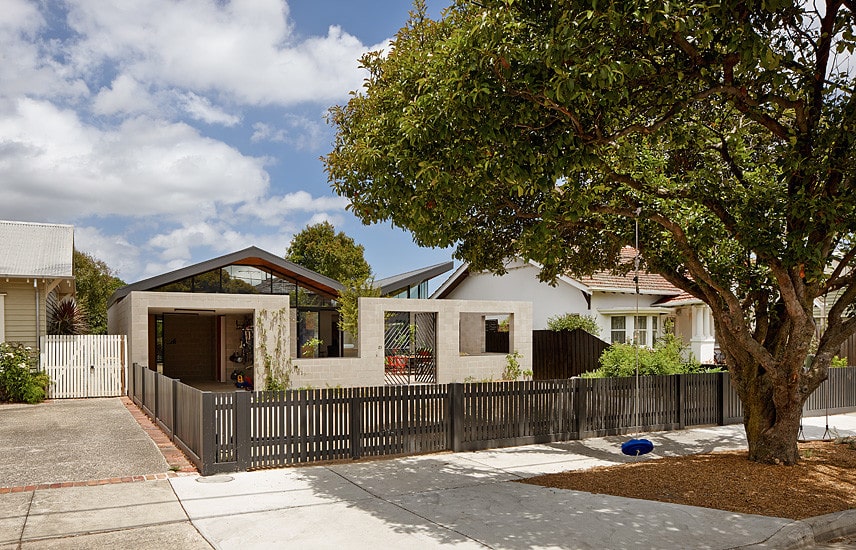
(36, 249)
(411, 278)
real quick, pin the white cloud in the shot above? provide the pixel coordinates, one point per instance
(266, 132)
(244, 50)
(176, 248)
(28, 62)
(275, 210)
(201, 108)
(92, 99)
(55, 164)
(300, 132)
(124, 96)
(124, 257)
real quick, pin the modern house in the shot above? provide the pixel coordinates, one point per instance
(35, 267)
(253, 308)
(610, 298)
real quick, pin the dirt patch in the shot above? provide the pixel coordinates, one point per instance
(823, 482)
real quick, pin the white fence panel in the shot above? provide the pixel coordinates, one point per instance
(84, 366)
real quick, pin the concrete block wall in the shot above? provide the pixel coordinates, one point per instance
(130, 317)
(472, 338)
(452, 366)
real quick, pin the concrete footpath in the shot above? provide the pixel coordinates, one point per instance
(450, 499)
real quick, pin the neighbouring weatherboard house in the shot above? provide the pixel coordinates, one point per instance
(35, 267)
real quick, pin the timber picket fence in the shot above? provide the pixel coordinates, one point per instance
(84, 365)
(236, 431)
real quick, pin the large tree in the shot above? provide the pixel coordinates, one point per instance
(94, 282)
(544, 129)
(319, 248)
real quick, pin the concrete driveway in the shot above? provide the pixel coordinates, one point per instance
(73, 440)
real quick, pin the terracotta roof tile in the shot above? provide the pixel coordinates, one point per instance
(603, 280)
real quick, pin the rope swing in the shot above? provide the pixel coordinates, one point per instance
(636, 446)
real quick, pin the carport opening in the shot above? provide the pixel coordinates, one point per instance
(202, 347)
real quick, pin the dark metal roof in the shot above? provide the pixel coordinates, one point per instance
(411, 278)
(252, 256)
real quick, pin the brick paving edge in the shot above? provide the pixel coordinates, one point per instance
(172, 454)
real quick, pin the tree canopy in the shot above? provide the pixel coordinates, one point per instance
(544, 129)
(94, 282)
(319, 248)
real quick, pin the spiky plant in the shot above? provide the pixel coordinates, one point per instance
(66, 317)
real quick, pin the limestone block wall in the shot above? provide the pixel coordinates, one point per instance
(130, 316)
(472, 338)
(453, 364)
(457, 321)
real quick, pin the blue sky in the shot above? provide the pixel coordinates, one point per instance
(170, 132)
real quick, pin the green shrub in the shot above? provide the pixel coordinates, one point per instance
(838, 362)
(571, 321)
(512, 366)
(19, 381)
(666, 357)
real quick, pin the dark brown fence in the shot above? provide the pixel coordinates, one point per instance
(496, 342)
(236, 431)
(848, 350)
(564, 353)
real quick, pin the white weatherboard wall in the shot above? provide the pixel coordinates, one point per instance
(521, 283)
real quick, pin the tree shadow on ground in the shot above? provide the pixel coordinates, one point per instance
(462, 497)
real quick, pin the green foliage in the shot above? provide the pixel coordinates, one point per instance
(537, 129)
(66, 317)
(319, 248)
(94, 283)
(19, 381)
(271, 330)
(349, 302)
(572, 321)
(512, 366)
(666, 357)
(310, 347)
(838, 362)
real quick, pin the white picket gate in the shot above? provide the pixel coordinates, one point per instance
(85, 366)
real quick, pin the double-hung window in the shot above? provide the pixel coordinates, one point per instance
(618, 329)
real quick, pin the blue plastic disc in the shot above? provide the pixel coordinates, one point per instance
(636, 447)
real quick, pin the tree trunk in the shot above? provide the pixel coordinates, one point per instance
(771, 417)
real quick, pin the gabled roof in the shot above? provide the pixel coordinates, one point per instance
(252, 256)
(601, 281)
(36, 249)
(411, 278)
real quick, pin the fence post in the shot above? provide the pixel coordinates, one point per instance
(132, 382)
(156, 409)
(720, 399)
(175, 384)
(578, 386)
(455, 414)
(243, 452)
(356, 406)
(208, 453)
(681, 401)
(142, 394)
